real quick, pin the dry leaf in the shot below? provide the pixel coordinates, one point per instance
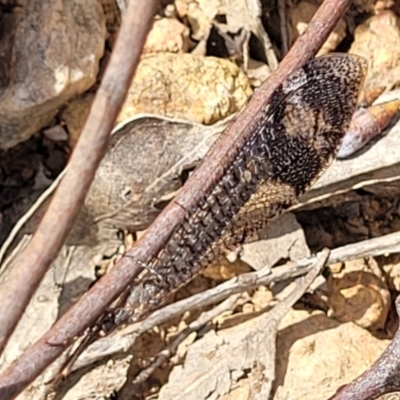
(282, 238)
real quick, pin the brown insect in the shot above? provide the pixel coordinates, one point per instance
(298, 136)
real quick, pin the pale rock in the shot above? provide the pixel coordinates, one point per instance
(378, 40)
(56, 133)
(195, 88)
(56, 48)
(318, 355)
(167, 35)
(359, 293)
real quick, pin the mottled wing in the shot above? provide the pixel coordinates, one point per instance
(295, 141)
(301, 133)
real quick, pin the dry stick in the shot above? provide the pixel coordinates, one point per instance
(199, 323)
(125, 338)
(32, 263)
(275, 315)
(283, 25)
(83, 313)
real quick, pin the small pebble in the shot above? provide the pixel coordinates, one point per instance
(56, 133)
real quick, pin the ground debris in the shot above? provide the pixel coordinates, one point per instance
(201, 63)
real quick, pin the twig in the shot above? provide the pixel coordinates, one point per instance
(32, 264)
(276, 314)
(196, 325)
(91, 305)
(283, 26)
(125, 338)
(22, 221)
(387, 244)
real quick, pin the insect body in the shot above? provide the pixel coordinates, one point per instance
(296, 139)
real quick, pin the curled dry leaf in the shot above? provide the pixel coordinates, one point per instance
(144, 167)
(366, 124)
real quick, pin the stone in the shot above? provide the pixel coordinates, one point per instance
(53, 53)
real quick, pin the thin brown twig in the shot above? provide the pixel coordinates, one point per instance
(91, 305)
(283, 26)
(20, 223)
(303, 283)
(204, 318)
(125, 338)
(34, 261)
